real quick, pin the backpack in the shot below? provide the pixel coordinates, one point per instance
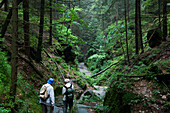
(69, 93)
(43, 93)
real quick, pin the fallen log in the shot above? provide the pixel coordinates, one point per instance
(104, 70)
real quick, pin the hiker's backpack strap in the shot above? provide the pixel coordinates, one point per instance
(70, 86)
(67, 89)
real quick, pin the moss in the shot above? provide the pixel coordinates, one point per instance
(115, 100)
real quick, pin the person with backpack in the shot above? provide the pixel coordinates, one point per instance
(68, 95)
(47, 99)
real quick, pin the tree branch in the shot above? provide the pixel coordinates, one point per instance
(7, 21)
(1, 4)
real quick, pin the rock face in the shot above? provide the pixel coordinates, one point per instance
(154, 37)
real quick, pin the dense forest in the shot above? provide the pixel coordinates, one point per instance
(116, 53)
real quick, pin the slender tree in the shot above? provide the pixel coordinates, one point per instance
(127, 49)
(51, 20)
(164, 20)
(26, 26)
(6, 5)
(128, 10)
(117, 13)
(159, 12)
(39, 49)
(138, 29)
(7, 21)
(14, 56)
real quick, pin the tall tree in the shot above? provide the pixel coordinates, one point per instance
(117, 12)
(164, 20)
(138, 29)
(126, 34)
(14, 56)
(128, 10)
(39, 49)
(7, 21)
(51, 20)
(159, 12)
(26, 26)
(6, 5)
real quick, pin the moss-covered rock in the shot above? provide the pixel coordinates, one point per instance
(118, 101)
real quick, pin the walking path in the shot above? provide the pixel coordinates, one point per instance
(100, 92)
(84, 69)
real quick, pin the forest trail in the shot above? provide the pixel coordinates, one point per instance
(98, 91)
(84, 69)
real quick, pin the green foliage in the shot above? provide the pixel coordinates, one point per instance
(130, 98)
(27, 99)
(5, 68)
(165, 64)
(4, 110)
(5, 72)
(114, 99)
(94, 61)
(102, 109)
(5, 75)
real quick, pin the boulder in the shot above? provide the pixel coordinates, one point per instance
(154, 37)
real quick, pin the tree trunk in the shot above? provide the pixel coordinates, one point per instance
(26, 27)
(51, 20)
(6, 5)
(7, 21)
(128, 10)
(159, 12)
(164, 20)
(14, 56)
(140, 28)
(126, 35)
(117, 13)
(136, 27)
(39, 49)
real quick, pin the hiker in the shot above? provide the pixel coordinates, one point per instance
(47, 103)
(68, 95)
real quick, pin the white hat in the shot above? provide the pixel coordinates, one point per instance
(67, 80)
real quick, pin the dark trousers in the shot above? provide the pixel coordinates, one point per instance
(46, 109)
(66, 104)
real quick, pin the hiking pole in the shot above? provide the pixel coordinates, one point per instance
(55, 63)
(59, 69)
